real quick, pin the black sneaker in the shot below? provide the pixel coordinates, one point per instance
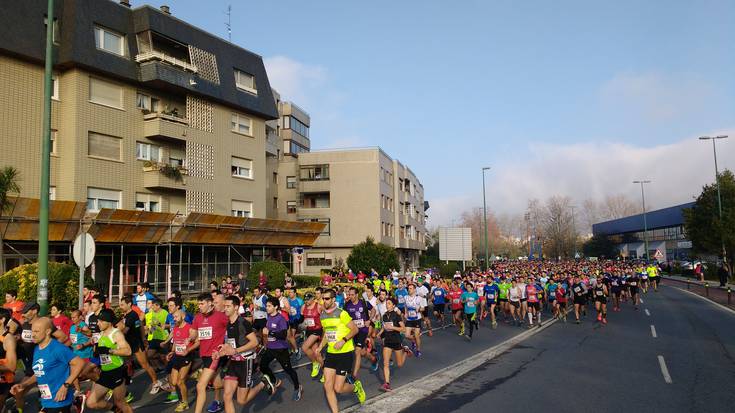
(269, 387)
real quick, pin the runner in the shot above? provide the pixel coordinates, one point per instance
(181, 357)
(470, 300)
(361, 312)
(111, 349)
(601, 292)
(130, 325)
(491, 292)
(439, 299)
(259, 313)
(294, 320)
(55, 368)
(276, 329)
(8, 355)
(514, 300)
(142, 296)
(653, 275)
(208, 331)
(14, 305)
(579, 292)
(534, 310)
(413, 313)
(392, 328)
(632, 282)
(455, 297)
(339, 330)
(504, 286)
(313, 326)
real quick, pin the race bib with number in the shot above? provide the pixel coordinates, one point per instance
(438, 293)
(73, 338)
(577, 289)
(412, 314)
(491, 296)
(599, 293)
(180, 349)
(105, 359)
(470, 304)
(309, 322)
(96, 337)
(359, 323)
(293, 311)
(45, 391)
(331, 336)
(388, 324)
(26, 336)
(205, 333)
(615, 283)
(401, 299)
(633, 283)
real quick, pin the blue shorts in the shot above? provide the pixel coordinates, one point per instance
(96, 361)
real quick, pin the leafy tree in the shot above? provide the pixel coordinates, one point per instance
(447, 270)
(274, 270)
(599, 246)
(369, 254)
(702, 222)
(9, 177)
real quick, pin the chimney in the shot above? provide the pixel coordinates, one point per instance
(166, 9)
(125, 3)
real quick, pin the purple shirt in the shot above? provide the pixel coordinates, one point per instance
(276, 324)
(359, 313)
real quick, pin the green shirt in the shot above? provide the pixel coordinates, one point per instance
(335, 329)
(504, 288)
(109, 361)
(156, 323)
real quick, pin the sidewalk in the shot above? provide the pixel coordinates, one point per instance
(709, 289)
(712, 283)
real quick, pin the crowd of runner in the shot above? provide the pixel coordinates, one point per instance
(375, 321)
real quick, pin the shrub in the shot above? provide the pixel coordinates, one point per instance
(273, 269)
(306, 281)
(369, 254)
(448, 270)
(63, 283)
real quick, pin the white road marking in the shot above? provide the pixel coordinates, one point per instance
(648, 313)
(641, 300)
(653, 331)
(664, 369)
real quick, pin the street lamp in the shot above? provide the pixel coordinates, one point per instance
(484, 214)
(645, 224)
(717, 181)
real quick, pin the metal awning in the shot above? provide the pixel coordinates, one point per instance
(120, 226)
(20, 223)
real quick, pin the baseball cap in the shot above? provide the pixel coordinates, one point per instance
(30, 306)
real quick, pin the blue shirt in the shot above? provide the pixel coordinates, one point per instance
(401, 294)
(440, 296)
(470, 302)
(142, 301)
(491, 292)
(51, 367)
(340, 298)
(296, 305)
(77, 337)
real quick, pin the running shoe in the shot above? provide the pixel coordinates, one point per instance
(374, 366)
(430, 333)
(604, 321)
(297, 393)
(599, 317)
(108, 395)
(215, 407)
(314, 369)
(155, 387)
(172, 398)
(407, 350)
(418, 353)
(385, 387)
(494, 325)
(129, 397)
(268, 385)
(469, 338)
(577, 321)
(80, 401)
(360, 392)
(322, 380)
(182, 406)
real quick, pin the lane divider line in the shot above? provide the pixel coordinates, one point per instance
(664, 369)
(653, 331)
(648, 313)
(641, 300)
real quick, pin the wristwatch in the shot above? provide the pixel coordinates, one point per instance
(68, 385)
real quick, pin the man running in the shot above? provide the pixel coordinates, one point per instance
(455, 297)
(600, 292)
(470, 300)
(413, 312)
(361, 312)
(130, 325)
(181, 357)
(208, 330)
(491, 292)
(339, 329)
(579, 292)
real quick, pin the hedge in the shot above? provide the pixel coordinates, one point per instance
(275, 271)
(63, 283)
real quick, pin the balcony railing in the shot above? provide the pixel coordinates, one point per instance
(163, 57)
(164, 116)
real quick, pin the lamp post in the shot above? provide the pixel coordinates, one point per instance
(484, 215)
(717, 181)
(645, 224)
(574, 232)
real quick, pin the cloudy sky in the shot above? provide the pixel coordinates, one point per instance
(573, 98)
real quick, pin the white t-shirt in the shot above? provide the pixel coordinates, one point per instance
(415, 303)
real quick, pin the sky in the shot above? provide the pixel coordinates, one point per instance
(574, 98)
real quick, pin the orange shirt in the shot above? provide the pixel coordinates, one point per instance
(16, 307)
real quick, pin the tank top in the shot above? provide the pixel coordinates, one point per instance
(531, 293)
(312, 321)
(8, 376)
(109, 361)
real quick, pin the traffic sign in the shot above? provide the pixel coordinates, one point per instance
(658, 255)
(84, 250)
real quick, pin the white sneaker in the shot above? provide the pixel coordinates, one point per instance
(155, 387)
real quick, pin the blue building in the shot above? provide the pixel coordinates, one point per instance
(665, 234)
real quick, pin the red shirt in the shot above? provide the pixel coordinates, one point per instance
(63, 323)
(181, 339)
(455, 298)
(211, 330)
(312, 320)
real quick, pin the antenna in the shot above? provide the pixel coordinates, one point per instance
(229, 22)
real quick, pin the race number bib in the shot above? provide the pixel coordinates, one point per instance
(401, 299)
(491, 296)
(331, 336)
(412, 314)
(309, 322)
(615, 283)
(388, 324)
(292, 311)
(73, 338)
(599, 293)
(455, 301)
(205, 333)
(45, 391)
(577, 289)
(359, 323)
(633, 283)
(105, 359)
(96, 337)
(180, 349)
(438, 293)
(470, 304)
(26, 336)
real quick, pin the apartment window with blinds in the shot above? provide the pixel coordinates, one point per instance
(242, 209)
(109, 41)
(98, 198)
(241, 124)
(290, 207)
(104, 146)
(148, 202)
(245, 81)
(145, 102)
(54, 135)
(290, 182)
(147, 152)
(318, 259)
(314, 173)
(242, 168)
(105, 93)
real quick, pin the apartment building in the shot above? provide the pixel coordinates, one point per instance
(357, 193)
(148, 112)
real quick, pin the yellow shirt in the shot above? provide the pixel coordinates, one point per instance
(335, 329)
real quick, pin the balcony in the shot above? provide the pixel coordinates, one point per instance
(163, 176)
(314, 186)
(160, 125)
(157, 55)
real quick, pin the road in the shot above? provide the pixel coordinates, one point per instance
(613, 368)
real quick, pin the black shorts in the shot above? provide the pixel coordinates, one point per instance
(456, 310)
(112, 379)
(581, 300)
(208, 363)
(634, 290)
(515, 304)
(425, 312)
(523, 300)
(155, 345)
(179, 362)
(563, 304)
(296, 322)
(503, 300)
(413, 323)
(602, 299)
(535, 305)
(318, 333)
(617, 292)
(242, 371)
(342, 363)
(62, 409)
(135, 346)
(393, 345)
(439, 308)
(259, 324)
(359, 339)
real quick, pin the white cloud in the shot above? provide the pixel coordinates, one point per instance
(592, 170)
(296, 81)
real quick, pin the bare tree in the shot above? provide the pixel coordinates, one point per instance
(619, 206)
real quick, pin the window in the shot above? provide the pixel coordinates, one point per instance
(295, 148)
(245, 81)
(105, 93)
(104, 146)
(147, 152)
(55, 87)
(327, 228)
(319, 259)
(275, 178)
(54, 134)
(316, 200)
(242, 209)
(98, 198)
(290, 182)
(109, 41)
(290, 122)
(147, 202)
(242, 168)
(290, 207)
(176, 162)
(145, 102)
(315, 173)
(56, 34)
(275, 202)
(52, 193)
(241, 124)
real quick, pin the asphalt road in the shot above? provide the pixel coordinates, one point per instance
(612, 368)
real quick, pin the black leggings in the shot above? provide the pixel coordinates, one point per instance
(471, 322)
(284, 359)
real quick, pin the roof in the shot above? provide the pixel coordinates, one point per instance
(661, 218)
(21, 222)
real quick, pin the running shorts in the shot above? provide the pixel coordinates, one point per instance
(259, 324)
(178, 362)
(359, 339)
(393, 345)
(413, 323)
(580, 300)
(534, 305)
(439, 308)
(112, 379)
(242, 371)
(342, 363)
(208, 363)
(317, 333)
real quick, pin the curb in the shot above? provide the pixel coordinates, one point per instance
(715, 303)
(408, 394)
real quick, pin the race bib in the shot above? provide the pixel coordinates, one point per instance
(577, 289)
(45, 391)
(331, 336)
(359, 323)
(205, 333)
(455, 301)
(412, 314)
(470, 304)
(491, 296)
(309, 322)
(388, 324)
(96, 337)
(599, 293)
(180, 349)
(615, 283)
(105, 359)
(401, 299)
(232, 342)
(633, 283)
(438, 293)
(26, 336)
(73, 338)
(293, 311)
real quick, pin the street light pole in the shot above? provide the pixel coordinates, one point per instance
(484, 215)
(574, 233)
(717, 182)
(645, 224)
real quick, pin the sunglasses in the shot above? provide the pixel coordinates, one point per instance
(327, 298)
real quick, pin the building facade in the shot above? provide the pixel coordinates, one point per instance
(666, 235)
(148, 112)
